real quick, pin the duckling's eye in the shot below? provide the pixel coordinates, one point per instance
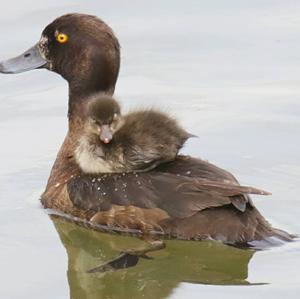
(62, 38)
(95, 122)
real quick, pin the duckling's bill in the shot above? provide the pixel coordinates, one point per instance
(105, 134)
(29, 60)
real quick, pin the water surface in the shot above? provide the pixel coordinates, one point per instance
(230, 73)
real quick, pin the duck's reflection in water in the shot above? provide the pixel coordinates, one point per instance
(181, 261)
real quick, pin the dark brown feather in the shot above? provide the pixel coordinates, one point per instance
(152, 190)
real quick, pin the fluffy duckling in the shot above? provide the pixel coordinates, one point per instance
(138, 141)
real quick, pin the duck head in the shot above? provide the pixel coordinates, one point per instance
(103, 118)
(81, 48)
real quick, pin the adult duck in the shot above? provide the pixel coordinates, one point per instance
(187, 198)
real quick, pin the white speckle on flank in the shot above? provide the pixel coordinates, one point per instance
(98, 188)
(188, 172)
(57, 185)
(93, 180)
(116, 189)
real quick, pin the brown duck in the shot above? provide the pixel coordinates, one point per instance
(186, 198)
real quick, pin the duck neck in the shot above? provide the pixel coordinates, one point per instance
(77, 104)
(92, 78)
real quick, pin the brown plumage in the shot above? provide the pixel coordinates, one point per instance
(187, 198)
(137, 141)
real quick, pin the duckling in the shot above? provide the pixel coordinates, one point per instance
(136, 142)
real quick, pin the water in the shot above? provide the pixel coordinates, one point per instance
(229, 72)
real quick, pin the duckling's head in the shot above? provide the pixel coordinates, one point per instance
(81, 48)
(103, 118)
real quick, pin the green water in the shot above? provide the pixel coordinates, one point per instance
(181, 261)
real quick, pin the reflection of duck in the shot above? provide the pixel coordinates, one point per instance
(196, 262)
(138, 141)
(188, 198)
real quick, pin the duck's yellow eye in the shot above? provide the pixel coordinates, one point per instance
(62, 38)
